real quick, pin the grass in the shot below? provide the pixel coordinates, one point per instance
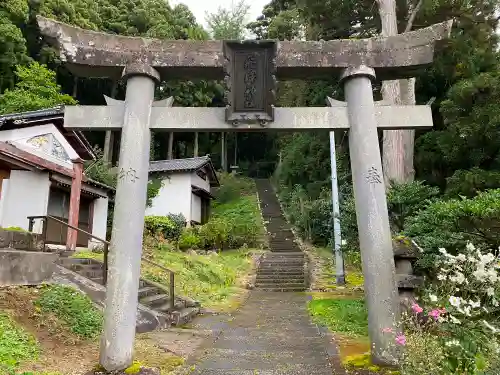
(16, 345)
(74, 309)
(347, 316)
(210, 279)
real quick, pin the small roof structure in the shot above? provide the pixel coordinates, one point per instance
(185, 165)
(50, 115)
(16, 159)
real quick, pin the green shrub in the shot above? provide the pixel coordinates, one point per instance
(15, 229)
(470, 182)
(73, 308)
(16, 345)
(189, 239)
(233, 187)
(452, 223)
(170, 227)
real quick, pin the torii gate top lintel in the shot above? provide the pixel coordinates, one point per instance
(95, 54)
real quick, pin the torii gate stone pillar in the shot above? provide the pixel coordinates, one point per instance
(249, 69)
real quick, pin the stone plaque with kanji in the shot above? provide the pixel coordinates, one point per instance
(250, 82)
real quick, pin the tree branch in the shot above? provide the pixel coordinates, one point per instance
(413, 15)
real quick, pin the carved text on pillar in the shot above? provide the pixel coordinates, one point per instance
(373, 176)
(249, 68)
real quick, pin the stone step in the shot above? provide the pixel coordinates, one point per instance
(285, 255)
(166, 308)
(91, 274)
(184, 316)
(154, 300)
(281, 267)
(260, 281)
(148, 291)
(297, 262)
(272, 284)
(281, 288)
(265, 273)
(85, 267)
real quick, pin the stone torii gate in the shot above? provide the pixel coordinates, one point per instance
(249, 69)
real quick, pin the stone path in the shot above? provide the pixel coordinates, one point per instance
(271, 335)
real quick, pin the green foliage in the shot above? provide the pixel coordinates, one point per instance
(451, 224)
(154, 187)
(469, 183)
(404, 200)
(170, 227)
(73, 308)
(189, 239)
(347, 316)
(228, 24)
(36, 89)
(15, 229)
(16, 345)
(232, 187)
(233, 225)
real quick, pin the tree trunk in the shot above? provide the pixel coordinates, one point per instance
(170, 145)
(393, 140)
(195, 152)
(408, 98)
(223, 152)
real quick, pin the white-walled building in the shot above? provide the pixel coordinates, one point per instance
(186, 185)
(37, 168)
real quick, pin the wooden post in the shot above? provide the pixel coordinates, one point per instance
(195, 144)
(74, 204)
(170, 146)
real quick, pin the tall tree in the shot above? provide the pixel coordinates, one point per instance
(228, 23)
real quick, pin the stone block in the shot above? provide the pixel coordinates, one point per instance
(20, 240)
(18, 267)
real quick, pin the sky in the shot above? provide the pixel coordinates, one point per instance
(200, 7)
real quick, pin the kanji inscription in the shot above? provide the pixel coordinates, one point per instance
(250, 83)
(373, 176)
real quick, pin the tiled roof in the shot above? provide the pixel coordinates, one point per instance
(178, 165)
(55, 111)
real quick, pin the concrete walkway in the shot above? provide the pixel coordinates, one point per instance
(271, 335)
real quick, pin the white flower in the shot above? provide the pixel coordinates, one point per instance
(461, 257)
(343, 242)
(492, 275)
(495, 302)
(458, 278)
(475, 305)
(489, 326)
(455, 301)
(433, 298)
(490, 291)
(480, 274)
(442, 251)
(441, 277)
(453, 343)
(444, 270)
(454, 320)
(486, 259)
(470, 247)
(472, 259)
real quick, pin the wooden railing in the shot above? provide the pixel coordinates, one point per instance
(46, 218)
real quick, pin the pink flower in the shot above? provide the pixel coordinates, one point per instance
(435, 313)
(401, 340)
(416, 308)
(388, 330)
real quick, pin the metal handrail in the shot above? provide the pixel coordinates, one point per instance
(105, 251)
(171, 280)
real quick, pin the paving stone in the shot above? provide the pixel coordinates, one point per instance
(271, 335)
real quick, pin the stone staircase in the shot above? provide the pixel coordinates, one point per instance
(284, 268)
(152, 296)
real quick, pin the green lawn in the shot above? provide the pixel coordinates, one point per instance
(346, 316)
(16, 345)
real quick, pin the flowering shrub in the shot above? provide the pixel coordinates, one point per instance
(458, 318)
